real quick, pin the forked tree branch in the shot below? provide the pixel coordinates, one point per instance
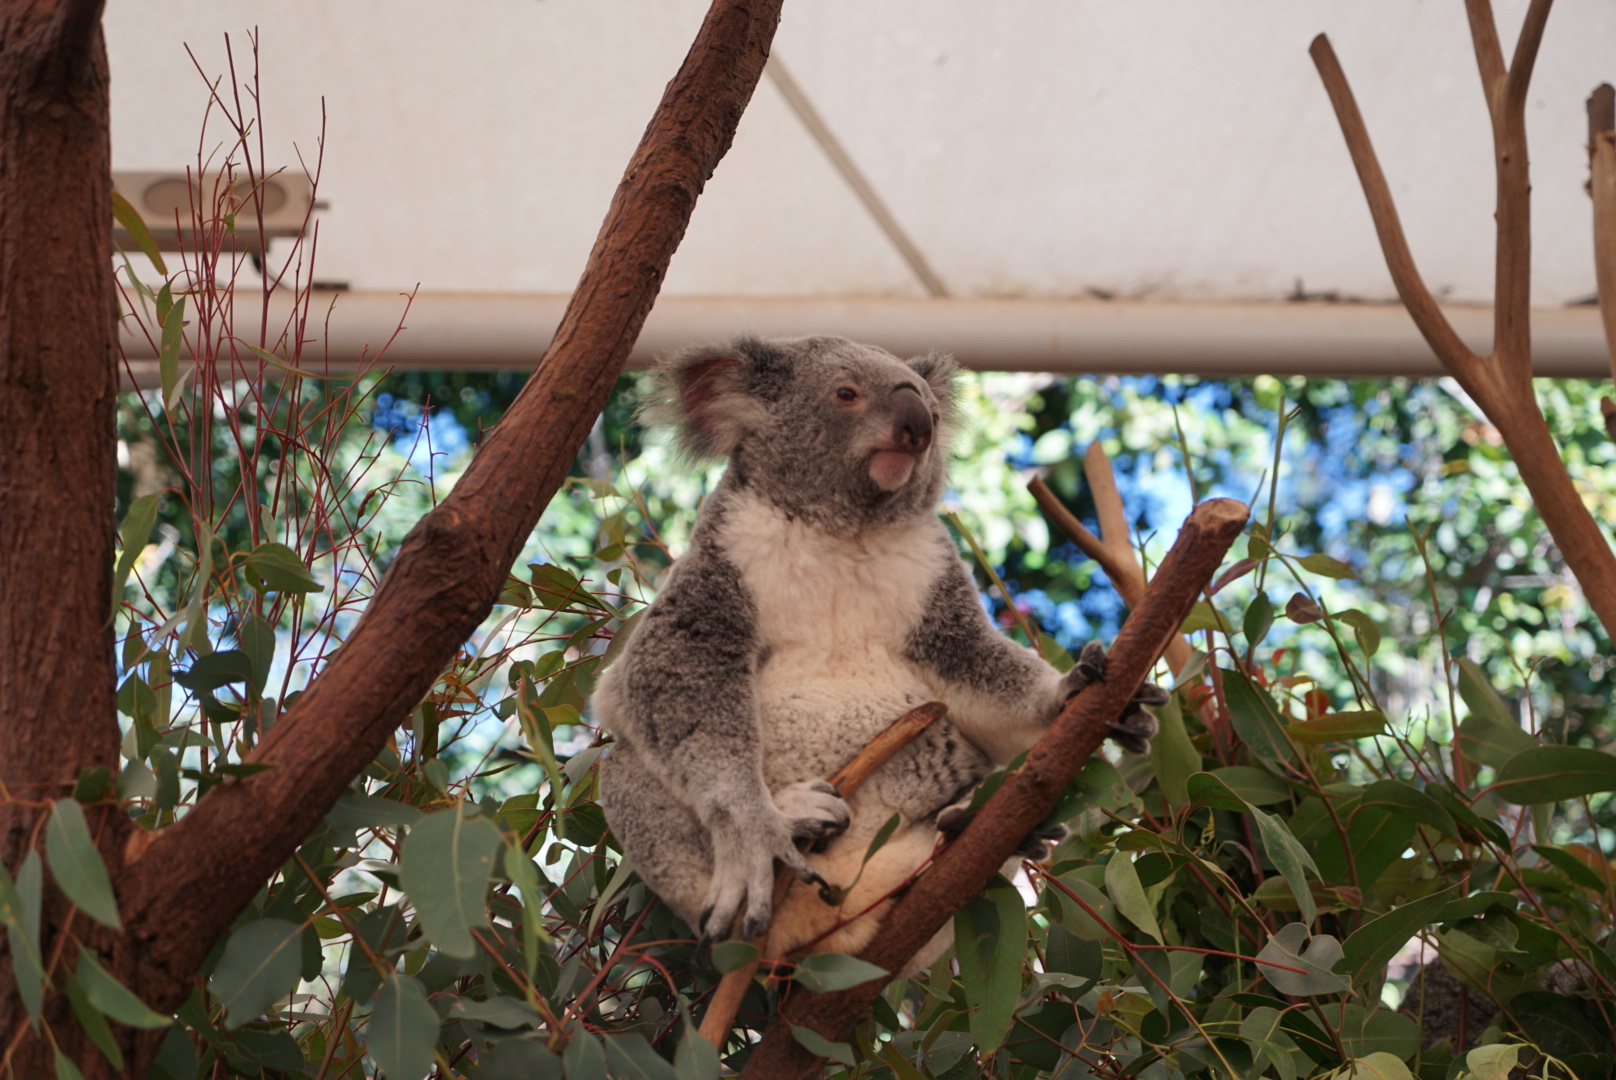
(1022, 801)
(196, 875)
(1501, 382)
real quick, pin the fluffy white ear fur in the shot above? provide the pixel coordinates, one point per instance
(703, 393)
(939, 371)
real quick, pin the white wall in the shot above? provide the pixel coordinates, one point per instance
(1160, 148)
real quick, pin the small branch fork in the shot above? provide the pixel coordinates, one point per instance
(1500, 382)
(1024, 800)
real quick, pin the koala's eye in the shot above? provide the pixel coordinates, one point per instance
(846, 394)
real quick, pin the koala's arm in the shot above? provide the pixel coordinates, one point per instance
(1002, 695)
(685, 696)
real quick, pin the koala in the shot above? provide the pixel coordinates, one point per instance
(820, 599)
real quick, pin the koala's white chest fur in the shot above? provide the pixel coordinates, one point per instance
(834, 615)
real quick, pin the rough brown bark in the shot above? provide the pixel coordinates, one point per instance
(1021, 803)
(1500, 382)
(58, 385)
(196, 875)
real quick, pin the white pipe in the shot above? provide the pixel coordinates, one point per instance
(495, 331)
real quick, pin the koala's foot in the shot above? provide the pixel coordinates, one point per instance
(745, 846)
(1134, 729)
(1036, 845)
(815, 811)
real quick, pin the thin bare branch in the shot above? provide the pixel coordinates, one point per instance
(1525, 58)
(1484, 36)
(719, 1020)
(1438, 332)
(1022, 801)
(1602, 189)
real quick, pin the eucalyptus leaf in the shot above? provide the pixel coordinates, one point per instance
(113, 998)
(76, 864)
(1302, 964)
(403, 1029)
(990, 938)
(445, 867)
(262, 963)
(824, 972)
(1122, 885)
(1545, 774)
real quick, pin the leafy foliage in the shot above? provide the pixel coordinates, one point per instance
(1392, 745)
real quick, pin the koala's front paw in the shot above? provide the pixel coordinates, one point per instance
(1036, 845)
(744, 849)
(1134, 729)
(815, 811)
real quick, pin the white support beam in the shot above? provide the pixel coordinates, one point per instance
(503, 331)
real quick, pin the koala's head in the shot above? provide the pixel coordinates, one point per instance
(844, 435)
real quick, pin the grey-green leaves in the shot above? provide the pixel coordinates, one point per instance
(261, 964)
(1542, 774)
(272, 567)
(990, 937)
(76, 864)
(1300, 964)
(445, 868)
(403, 1029)
(113, 998)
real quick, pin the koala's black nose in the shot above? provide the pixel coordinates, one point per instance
(911, 420)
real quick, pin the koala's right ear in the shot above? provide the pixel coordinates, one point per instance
(704, 393)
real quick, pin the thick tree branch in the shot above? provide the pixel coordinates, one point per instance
(195, 876)
(1021, 803)
(58, 473)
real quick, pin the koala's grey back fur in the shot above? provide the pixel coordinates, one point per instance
(820, 599)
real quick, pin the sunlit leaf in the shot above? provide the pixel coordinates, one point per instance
(76, 864)
(127, 216)
(134, 532)
(1122, 885)
(272, 567)
(1339, 727)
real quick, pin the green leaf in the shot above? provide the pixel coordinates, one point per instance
(1122, 885)
(1290, 858)
(1203, 616)
(274, 361)
(1256, 719)
(354, 812)
(1259, 787)
(1489, 735)
(1366, 1032)
(257, 640)
(1172, 754)
(879, 840)
(1571, 866)
(1316, 955)
(1326, 566)
(216, 670)
(583, 1057)
(94, 1024)
(20, 909)
(730, 956)
(815, 1043)
(1371, 947)
(1339, 727)
(630, 1057)
(1377, 1066)
(134, 532)
(1545, 774)
(444, 869)
(555, 587)
(824, 972)
(65, 1069)
(1259, 619)
(1365, 629)
(1412, 803)
(1462, 813)
(272, 567)
(1378, 836)
(127, 216)
(696, 1058)
(114, 999)
(262, 963)
(168, 354)
(990, 938)
(1206, 789)
(76, 864)
(1557, 1025)
(403, 1029)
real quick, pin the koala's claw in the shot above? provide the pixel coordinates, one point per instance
(814, 810)
(740, 897)
(1135, 728)
(1039, 844)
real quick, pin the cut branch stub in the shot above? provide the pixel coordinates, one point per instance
(1022, 801)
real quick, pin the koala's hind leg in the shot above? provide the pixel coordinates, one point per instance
(661, 836)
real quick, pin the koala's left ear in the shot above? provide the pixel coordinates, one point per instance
(938, 369)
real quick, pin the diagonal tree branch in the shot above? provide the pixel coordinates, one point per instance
(1022, 801)
(1602, 190)
(194, 877)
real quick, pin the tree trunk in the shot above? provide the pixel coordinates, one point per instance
(58, 382)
